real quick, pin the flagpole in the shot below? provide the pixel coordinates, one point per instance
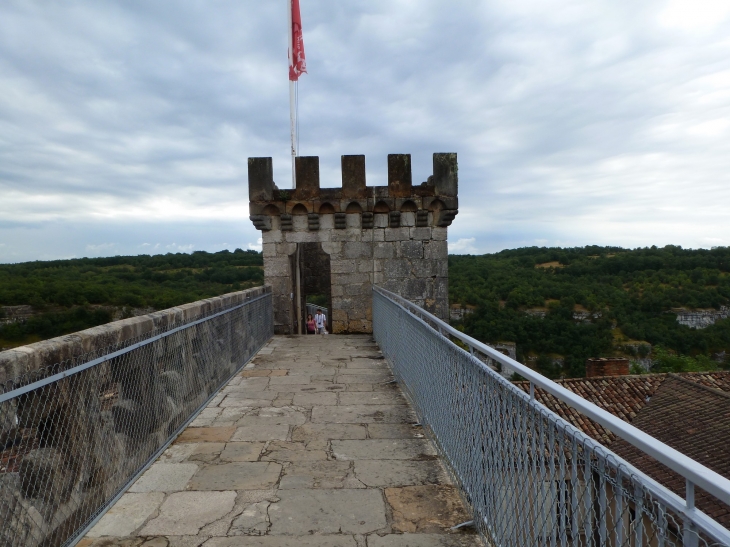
(292, 102)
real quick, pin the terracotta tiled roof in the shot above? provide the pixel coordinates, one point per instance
(622, 396)
(688, 411)
(693, 419)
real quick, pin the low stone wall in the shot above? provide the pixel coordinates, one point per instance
(68, 447)
(17, 362)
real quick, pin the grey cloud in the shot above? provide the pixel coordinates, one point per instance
(575, 122)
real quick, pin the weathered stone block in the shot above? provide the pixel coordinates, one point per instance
(343, 266)
(377, 235)
(365, 266)
(436, 250)
(165, 477)
(348, 511)
(303, 237)
(339, 314)
(445, 174)
(276, 267)
(360, 325)
(438, 234)
(353, 221)
(399, 175)
(285, 249)
(342, 304)
(128, 514)
(441, 288)
(332, 247)
(397, 234)
(353, 177)
(421, 234)
(408, 219)
(425, 509)
(260, 179)
(274, 236)
(300, 223)
(424, 268)
(269, 249)
(396, 267)
(383, 449)
(380, 220)
(185, 513)
(410, 249)
(307, 170)
(358, 289)
(393, 284)
(326, 222)
(416, 289)
(349, 279)
(350, 234)
(384, 250)
(357, 249)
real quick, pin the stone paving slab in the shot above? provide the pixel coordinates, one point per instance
(383, 449)
(309, 445)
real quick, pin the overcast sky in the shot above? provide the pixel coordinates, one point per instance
(125, 126)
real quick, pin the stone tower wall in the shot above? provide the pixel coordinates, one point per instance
(393, 236)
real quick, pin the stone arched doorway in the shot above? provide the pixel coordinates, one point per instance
(315, 284)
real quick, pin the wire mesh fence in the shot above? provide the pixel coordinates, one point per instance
(530, 477)
(73, 435)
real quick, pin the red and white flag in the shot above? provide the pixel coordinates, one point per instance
(297, 62)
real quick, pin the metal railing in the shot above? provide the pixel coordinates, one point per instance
(312, 309)
(76, 434)
(530, 477)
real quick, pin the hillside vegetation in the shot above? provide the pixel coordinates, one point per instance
(560, 306)
(624, 299)
(71, 295)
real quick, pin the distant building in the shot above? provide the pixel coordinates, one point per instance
(700, 319)
(457, 312)
(16, 314)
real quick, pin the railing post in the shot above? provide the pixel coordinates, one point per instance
(690, 536)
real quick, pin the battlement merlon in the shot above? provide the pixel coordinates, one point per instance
(435, 201)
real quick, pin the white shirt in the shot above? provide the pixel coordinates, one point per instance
(320, 319)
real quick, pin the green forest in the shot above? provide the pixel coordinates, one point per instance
(559, 305)
(625, 298)
(71, 295)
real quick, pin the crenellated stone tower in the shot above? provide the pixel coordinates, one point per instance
(336, 242)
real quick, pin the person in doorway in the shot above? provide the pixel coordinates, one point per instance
(320, 320)
(311, 325)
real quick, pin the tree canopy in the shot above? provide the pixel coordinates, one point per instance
(532, 296)
(70, 295)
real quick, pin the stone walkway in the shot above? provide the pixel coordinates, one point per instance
(307, 446)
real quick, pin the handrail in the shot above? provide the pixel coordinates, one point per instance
(693, 471)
